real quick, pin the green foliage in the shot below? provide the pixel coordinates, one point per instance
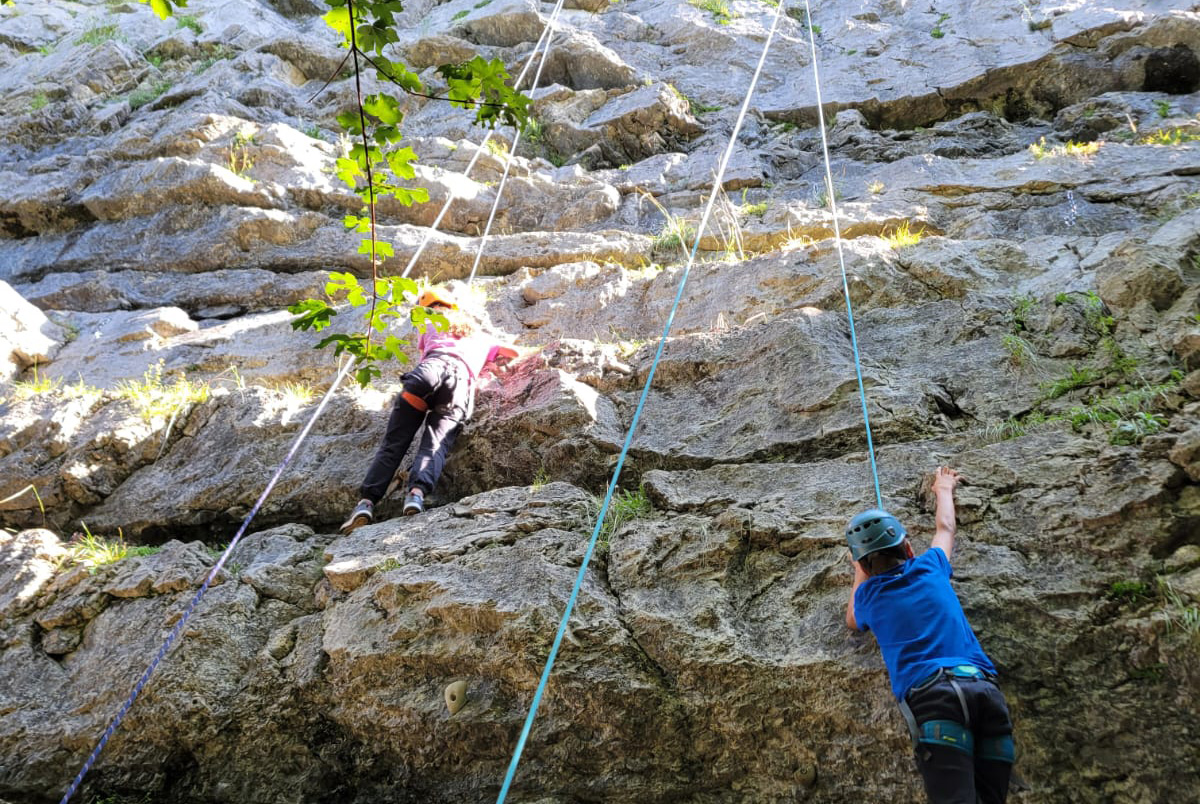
(1077, 377)
(623, 508)
(1136, 427)
(1172, 136)
(188, 21)
(540, 479)
(240, 157)
(1129, 590)
(1077, 149)
(93, 551)
(40, 100)
(758, 210)
(1018, 316)
(1020, 351)
(140, 97)
(937, 32)
(382, 308)
(459, 15)
(154, 398)
(901, 236)
(389, 564)
(1180, 616)
(98, 35)
(23, 389)
(1163, 107)
(165, 8)
(718, 8)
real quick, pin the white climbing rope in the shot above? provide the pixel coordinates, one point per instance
(612, 486)
(837, 239)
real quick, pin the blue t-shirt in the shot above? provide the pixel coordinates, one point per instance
(917, 620)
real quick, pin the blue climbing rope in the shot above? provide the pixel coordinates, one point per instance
(612, 486)
(837, 239)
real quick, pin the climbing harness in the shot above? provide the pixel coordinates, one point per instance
(951, 733)
(341, 375)
(837, 239)
(612, 486)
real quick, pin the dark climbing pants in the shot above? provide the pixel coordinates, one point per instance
(444, 384)
(978, 771)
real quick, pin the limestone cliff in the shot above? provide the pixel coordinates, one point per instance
(166, 189)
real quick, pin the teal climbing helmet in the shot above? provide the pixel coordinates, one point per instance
(873, 530)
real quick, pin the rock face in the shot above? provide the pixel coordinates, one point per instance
(1016, 197)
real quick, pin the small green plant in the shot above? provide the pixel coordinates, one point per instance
(295, 394)
(94, 551)
(220, 53)
(140, 97)
(1018, 316)
(23, 389)
(241, 160)
(718, 8)
(1132, 430)
(937, 32)
(459, 15)
(901, 236)
(188, 21)
(497, 147)
(758, 210)
(1172, 136)
(482, 3)
(798, 14)
(154, 398)
(1077, 377)
(98, 35)
(540, 479)
(623, 508)
(1020, 351)
(1129, 590)
(1040, 150)
(45, 50)
(314, 131)
(1163, 107)
(40, 100)
(1180, 615)
(875, 188)
(389, 564)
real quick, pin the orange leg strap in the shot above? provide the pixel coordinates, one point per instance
(414, 400)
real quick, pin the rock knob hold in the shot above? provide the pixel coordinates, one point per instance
(456, 696)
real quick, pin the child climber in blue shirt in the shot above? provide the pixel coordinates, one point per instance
(943, 680)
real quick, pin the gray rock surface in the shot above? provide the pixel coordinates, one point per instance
(166, 191)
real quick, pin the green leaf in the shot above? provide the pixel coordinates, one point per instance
(311, 314)
(382, 248)
(348, 171)
(339, 20)
(384, 107)
(400, 162)
(351, 122)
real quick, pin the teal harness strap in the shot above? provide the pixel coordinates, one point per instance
(1000, 749)
(947, 733)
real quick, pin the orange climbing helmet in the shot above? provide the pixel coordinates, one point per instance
(431, 296)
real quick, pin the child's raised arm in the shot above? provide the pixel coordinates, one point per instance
(944, 481)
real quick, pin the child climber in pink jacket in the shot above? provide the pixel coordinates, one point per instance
(439, 392)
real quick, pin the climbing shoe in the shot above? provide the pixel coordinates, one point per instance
(413, 504)
(363, 514)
